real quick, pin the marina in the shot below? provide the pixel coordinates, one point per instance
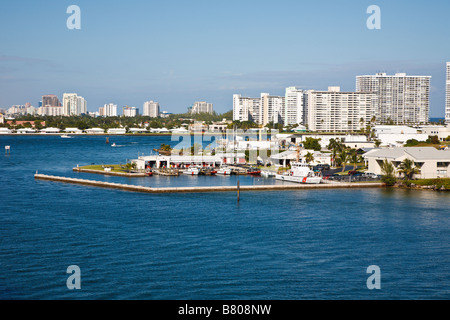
(199, 189)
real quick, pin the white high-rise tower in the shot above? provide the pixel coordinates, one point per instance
(447, 95)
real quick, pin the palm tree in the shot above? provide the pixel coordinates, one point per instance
(309, 157)
(354, 158)
(343, 159)
(408, 168)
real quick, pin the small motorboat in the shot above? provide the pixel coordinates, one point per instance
(254, 171)
(268, 174)
(65, 136)
(192, 171)
(114, 145)
(224, 171)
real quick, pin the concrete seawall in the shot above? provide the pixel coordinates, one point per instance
(134, 188)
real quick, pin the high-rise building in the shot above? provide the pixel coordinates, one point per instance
(246, 109)
(130, 111)
(261, 110)
(294, 106)
(336, 111)
(401, 99)
(82, 105)
(50, 100)
(151, 109)
(447, 95)
(74, 105)
(201, 107)
(272, 108)
(108, 110)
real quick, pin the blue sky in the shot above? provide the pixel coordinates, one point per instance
(179, 52)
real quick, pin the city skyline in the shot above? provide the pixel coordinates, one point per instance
(159, 57)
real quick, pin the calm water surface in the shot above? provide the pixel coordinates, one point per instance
(312, 244)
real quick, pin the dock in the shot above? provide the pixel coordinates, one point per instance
(134, 188)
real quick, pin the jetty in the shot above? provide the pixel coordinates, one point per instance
(208, 189)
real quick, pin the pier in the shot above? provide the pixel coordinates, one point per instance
(134, 188)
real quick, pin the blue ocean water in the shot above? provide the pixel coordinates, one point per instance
(312, 244)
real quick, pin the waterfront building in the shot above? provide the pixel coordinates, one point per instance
(2, 118)
(294, 106)
(400, 99)
(176, 161)
(73, 130)
(138, 130)
(336, 111)
(117, 131)
(95, 131)
(5, 131)
(447, 95)
(50, 130)
(74, 105)
(432, 163)
(130, 111)
(151, 109)
(201, 107)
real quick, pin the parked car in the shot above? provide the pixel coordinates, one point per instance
(371, 175)
(352, 172)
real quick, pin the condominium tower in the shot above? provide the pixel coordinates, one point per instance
(294, 106)
(74, 105)
(151, 109)
(201, 107)
(336, 111)
(246, 109)
(130, 111)
(400, 99)
(108, 110)
(447, 95)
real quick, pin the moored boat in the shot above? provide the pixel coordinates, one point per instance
(224, 171)
(254, 171)
(193, 171)
(300, 173)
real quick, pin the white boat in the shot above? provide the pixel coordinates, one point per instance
(300, 173)
(268, 174)
(193, 171)
(113, 145)
(65, 136)
(224, 171)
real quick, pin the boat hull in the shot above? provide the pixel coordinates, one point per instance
(304, 180)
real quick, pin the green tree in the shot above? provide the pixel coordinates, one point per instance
(342, 159)
(312, 144)
(408, 168)
(309, 157)
(388, 172)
